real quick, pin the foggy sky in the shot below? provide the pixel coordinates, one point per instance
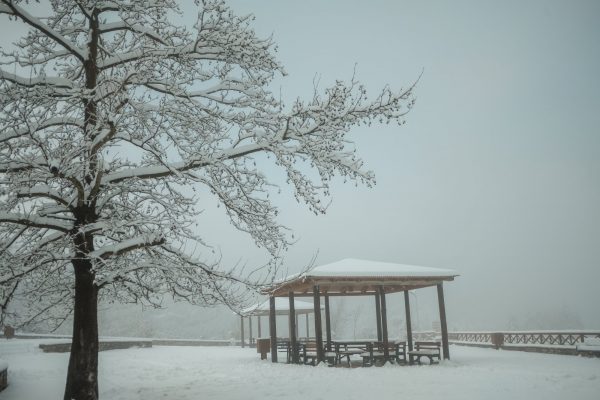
(497, 171)
(495, 174)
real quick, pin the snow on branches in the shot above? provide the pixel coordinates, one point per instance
(110, 111)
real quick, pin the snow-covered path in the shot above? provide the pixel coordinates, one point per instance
(184, 373)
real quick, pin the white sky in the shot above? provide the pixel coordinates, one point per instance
(496, 173)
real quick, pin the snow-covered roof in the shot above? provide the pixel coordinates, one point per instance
(356, 276)
(282, 307)
(352, 267)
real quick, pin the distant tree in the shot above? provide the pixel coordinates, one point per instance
(110, 115)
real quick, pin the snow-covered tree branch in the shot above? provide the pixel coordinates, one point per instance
(110, 114)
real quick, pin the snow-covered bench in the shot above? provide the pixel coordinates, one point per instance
(3, 374)
(430, 350)
(344, 349)
(396, 352)
(309, 355)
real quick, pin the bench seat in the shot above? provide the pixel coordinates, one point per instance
(431, 350)
(396, 353)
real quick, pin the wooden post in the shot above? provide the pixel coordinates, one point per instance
(250, 329)
(307, 326)
(409, 339)
(444, 326)
(273, 329)
(242, 330)
(297, 326)
(292, 318)
(318, 328)
(259, 332)
(378, 312)
(386, 350)
(327, 322)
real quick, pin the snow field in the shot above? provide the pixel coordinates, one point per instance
(191, 373)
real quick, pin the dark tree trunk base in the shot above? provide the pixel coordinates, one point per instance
(82, 375)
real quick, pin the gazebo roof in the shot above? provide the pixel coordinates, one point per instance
(282, 307)
(356, 277)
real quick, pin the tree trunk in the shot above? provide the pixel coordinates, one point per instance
(82, 376)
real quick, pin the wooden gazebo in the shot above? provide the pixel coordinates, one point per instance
(281, 308)
(352, 277)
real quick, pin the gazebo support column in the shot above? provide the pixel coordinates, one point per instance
(378, 312)
(409, 336)
(327, 322)
(250, 330)
(297, 327)
(273, 329)
(258, 327)
(307, 327)
(443, 325)
(386, 350)
(292, 318)
(242, 331)
(318, 327)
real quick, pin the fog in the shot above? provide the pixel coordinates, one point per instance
(496, 173)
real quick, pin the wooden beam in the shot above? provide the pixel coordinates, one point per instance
(378, 312)
(318, 327)
(242, 330)
(409, 339)
(331, 294)
(327, 323)
(273, 329)
(386, 350)
(354, 285)
(292, 319)
(444, 326)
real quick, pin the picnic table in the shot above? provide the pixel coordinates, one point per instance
(348, 348)
(372, 352)
(377, 352)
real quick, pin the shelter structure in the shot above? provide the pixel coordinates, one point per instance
(281, 308)
(353, 277)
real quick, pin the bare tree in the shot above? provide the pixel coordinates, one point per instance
(110, 114)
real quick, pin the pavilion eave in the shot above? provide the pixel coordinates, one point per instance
(352, 286)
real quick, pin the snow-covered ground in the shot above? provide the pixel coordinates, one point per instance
(184, 373)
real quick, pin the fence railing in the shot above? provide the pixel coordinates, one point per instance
(539, 338)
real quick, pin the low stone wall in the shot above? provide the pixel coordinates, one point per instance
(184, 342)
(102, 346)
(126, 344)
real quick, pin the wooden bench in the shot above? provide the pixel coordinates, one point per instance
(431, 350)
(308, 354)
(285, 345)
(348, 349)
(396, 352)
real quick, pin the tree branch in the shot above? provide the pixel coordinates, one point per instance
(154, 172)
(35, 221)
(46, 30)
